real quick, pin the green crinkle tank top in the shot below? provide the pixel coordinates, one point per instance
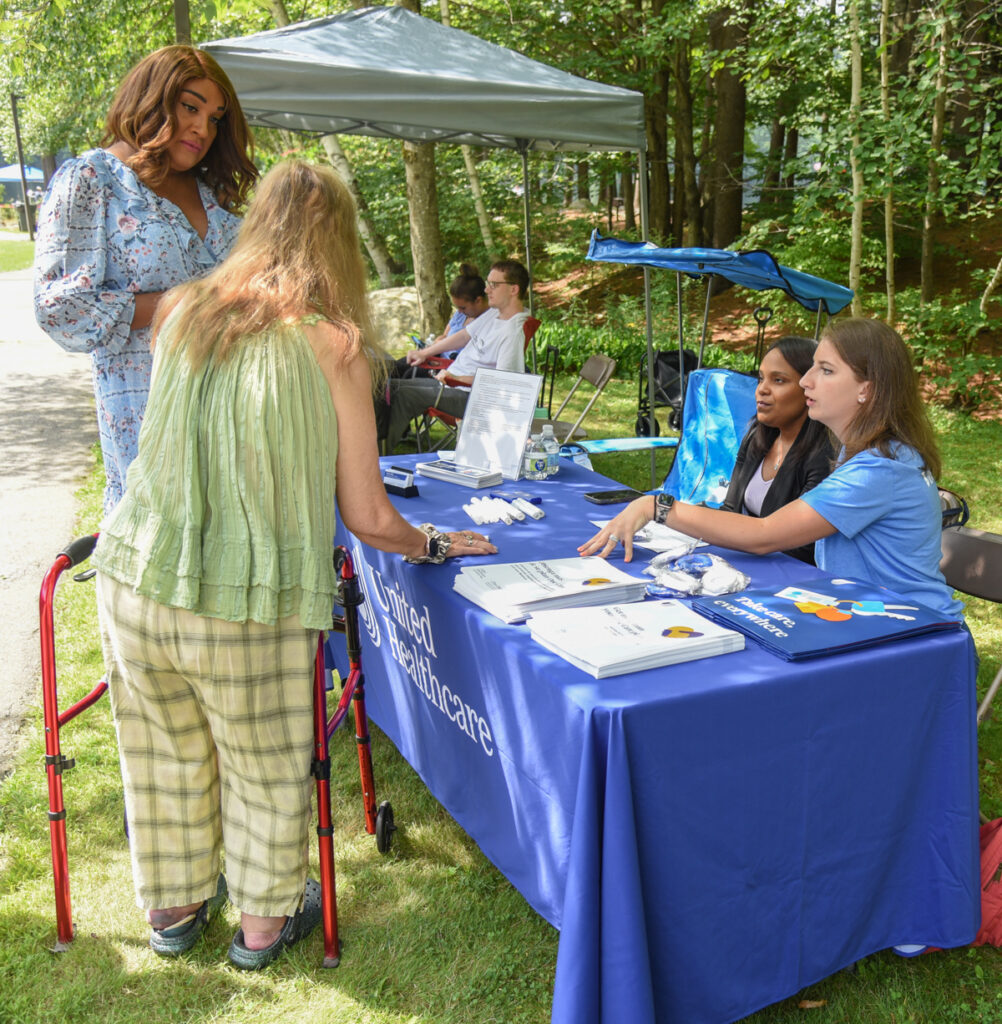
(229, 505)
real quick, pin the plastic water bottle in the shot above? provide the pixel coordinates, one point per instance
(534, 467)
(552, 449)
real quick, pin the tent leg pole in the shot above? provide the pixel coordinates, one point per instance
(817, 323)
(706, 320)
(645, 232)
(523, 148)
(681, 335)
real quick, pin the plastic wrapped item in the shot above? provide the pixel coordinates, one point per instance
(693, 573)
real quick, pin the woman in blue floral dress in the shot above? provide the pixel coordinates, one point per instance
(120, 226)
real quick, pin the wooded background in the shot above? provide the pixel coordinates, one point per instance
(857, 140)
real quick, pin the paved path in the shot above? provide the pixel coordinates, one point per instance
(47, 428)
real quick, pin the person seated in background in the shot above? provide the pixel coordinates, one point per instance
(784, 452)
(468, 293)
(877, 515)
(495, 340)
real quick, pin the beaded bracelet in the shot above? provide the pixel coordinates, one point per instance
(436, 546)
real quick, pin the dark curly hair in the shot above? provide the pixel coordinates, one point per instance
(142, 115)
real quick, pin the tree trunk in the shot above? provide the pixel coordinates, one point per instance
(855, 113)
(930, 219)
(885, 108)
(689, 226)
(582, 181)
(182, 22)
(629, 214)
(478, 201)
(789, 158)
(727, 33)
(773, 162)
(659, 193)
(374, 243)
(426, 239)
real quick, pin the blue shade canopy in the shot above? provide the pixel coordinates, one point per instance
(755, 269)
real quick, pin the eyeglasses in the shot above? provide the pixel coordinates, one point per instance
(494, 284)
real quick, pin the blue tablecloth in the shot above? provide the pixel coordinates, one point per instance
(710, 837)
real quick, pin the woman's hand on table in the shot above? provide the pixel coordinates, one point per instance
(469, 542)
(634, 517)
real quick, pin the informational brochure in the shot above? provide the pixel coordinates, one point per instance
(514, 590)
(611, 640)
(454, 473)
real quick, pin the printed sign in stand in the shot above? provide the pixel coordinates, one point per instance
(494, 430)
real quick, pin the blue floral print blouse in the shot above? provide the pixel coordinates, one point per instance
(103, 236)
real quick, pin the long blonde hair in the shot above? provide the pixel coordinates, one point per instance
(297, 253)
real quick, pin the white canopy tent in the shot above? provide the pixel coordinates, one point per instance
(390, 73)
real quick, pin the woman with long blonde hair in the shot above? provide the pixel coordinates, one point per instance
(215, 569)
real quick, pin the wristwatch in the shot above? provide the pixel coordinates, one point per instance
(662, 506)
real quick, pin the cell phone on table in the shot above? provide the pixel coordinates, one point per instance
(621, 494)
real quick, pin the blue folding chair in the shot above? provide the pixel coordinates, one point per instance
(719, 405)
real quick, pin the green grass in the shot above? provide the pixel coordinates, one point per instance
(431, 931)
(16, 254)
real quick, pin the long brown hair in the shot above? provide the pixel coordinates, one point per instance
(893, 410)
(297, 253)
(143, 116)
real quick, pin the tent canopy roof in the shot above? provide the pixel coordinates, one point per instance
(387, 72)
(755, 269)
(12, 172)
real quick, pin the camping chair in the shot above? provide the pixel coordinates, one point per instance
(972, 564)
(423, 424)
(597, 371)
(378, 820)
(719, 404)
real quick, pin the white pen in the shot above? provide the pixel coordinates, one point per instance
(528, 508)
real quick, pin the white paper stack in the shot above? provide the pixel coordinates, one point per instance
(614, 639)
(515, 590)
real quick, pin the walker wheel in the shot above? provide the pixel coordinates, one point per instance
(384, 827)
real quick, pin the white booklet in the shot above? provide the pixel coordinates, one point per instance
(614, 639)
(514, 590)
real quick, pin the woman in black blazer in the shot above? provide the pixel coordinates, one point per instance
(784, 453)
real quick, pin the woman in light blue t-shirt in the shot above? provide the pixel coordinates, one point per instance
(877, 516)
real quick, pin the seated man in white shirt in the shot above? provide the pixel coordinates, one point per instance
(495, 340)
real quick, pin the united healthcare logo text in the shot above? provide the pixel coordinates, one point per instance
(410, 640)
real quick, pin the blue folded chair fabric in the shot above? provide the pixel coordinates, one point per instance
(719, 405)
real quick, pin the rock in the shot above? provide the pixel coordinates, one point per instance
(395, 315)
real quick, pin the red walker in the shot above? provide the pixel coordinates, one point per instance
(378, 820)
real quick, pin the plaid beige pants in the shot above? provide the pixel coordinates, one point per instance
(215, 737)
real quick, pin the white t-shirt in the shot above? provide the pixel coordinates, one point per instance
(494, 344)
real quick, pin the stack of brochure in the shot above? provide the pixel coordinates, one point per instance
(515, 590)
(614, 639)
(822, 616)
(455, 473)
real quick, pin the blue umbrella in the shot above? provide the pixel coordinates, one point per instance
(755, 269)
